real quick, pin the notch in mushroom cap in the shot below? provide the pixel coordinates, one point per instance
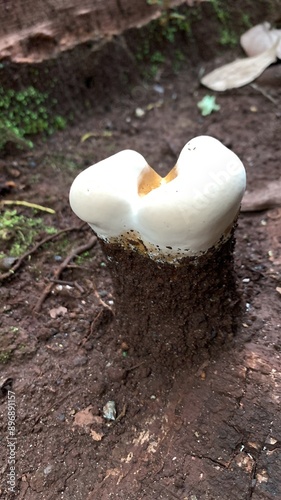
(185, 213)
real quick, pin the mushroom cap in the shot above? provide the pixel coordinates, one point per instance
(104, 194)
(198, 205)
(185, 213)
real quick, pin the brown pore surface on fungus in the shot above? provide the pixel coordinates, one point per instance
(174, 312)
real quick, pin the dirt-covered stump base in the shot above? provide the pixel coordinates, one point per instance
(171, 313)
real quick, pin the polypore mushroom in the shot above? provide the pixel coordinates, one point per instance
(169, 241)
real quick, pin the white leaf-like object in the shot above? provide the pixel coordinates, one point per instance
(260, 38)
(240, 72)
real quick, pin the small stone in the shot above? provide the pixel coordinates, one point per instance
(158, 88)
(89, 345)
(109, 410)
(48, 469)
(139, 112)
(124, 346)
(7, 262)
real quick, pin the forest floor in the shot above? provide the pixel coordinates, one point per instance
(210, 431)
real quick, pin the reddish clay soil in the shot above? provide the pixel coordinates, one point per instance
(209, 430)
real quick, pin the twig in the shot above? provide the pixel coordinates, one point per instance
(79, 287)
(60, 269)
(106, 306)
(34, 249)
(264, 93)
(121, 415)
(29, 205)
(135, 366)
(68, 283)
(62, 282)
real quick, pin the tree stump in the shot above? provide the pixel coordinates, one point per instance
(171, 312)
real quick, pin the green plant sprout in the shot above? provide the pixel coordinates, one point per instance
(24, 113)
(207, 105)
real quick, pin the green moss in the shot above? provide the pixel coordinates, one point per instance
(179, 22)
(80, 259)
(60, 162)
(5, 356)
(161, 35)
(26, 113)
(226, 36)
(18, 232)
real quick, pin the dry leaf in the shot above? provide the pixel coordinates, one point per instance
(240, 72)
(263, 199)
(102, 133)
(278, 289)
(153, 105)
(57, 311)
(97, 436)
(84, 417)
(260, 38)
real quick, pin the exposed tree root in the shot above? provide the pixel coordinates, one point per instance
(60, 269)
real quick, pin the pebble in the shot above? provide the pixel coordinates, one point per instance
(139, 112)
(109, 410)
(7, 262)
(89, 345)
(48, 469)
(32, 164)
(61, 417)
(158, 88)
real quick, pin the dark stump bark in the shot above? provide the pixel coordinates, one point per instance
(171, 313)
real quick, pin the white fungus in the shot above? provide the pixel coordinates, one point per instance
(184, 214)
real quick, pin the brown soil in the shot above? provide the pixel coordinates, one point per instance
(210, 429)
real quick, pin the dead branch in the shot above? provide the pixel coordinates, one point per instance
(61, 268)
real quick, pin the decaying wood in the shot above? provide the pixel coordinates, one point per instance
(34, 31)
